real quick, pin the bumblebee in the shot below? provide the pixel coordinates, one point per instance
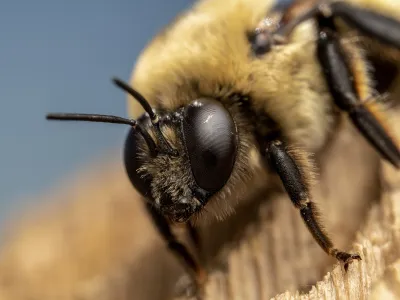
(236, 94)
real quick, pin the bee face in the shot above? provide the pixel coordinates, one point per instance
(219, 58)
(205, 137)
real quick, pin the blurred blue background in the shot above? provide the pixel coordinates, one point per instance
(59, 56)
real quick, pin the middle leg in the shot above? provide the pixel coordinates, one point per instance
(296, 180)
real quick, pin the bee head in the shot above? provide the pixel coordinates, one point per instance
(188, 157)
(176, 159)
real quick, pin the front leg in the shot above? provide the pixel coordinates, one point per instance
(296, 180)
(197, 274)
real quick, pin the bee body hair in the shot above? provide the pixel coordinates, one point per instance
(206, 53)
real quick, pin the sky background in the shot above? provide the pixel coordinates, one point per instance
(59, 56)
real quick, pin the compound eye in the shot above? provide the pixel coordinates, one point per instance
(210, 137)
(133, 161)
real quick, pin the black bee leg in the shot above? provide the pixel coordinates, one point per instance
(281, 35)
(295, 178)
(346, 85)
(194, 270)
(372, 24)
(383, 28)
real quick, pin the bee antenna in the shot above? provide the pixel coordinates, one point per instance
(152, 114)
(91, 118)
(135, 94)
(106, 119)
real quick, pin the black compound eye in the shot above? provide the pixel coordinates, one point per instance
(133, 162)
(211, 141)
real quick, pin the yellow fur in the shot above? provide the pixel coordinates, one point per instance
(82, 250)
(209, 44)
